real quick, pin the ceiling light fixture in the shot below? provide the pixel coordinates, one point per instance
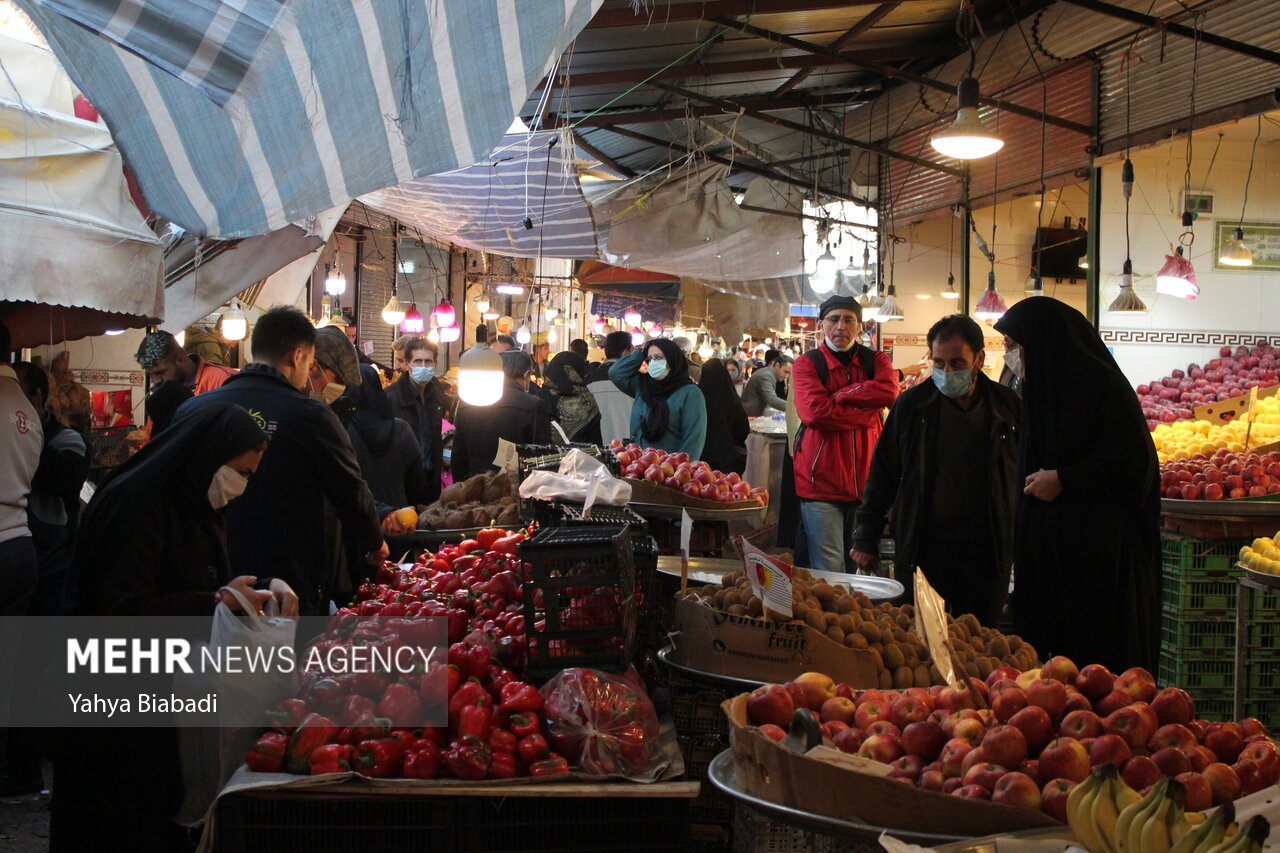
(413, 323)
(234, 324)
(1127, 302)
(990, 307)
(1236, 253)
(393, 312)
(967, 138)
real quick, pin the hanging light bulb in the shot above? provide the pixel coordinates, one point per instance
(656, 330)
(335, 283)
(1127, 302)
(482, 304)
(706, 350)
(865, 299)
(1083, 263)
(822, 283)
(990, 307)
(181, 337)
(522, 334)
(551, 336)
(449, 334)
(967, 138)
(1034, 285)
(234, 324)
(393, 312)
(1236, 253)
(434, 335)
(871, 311)
(552, 312)
(1177, 277)
(510, 288)
(950, 292)
(443, 314)
(637, 336)
(889, 309)
(825, 266)
(599, 326)
(480, 376)
(489, 315)
(413, 323)
(866, 259)
(631, 317)
(114, 332)
(850, 271)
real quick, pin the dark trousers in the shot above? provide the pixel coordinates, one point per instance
(19, 575)
(965, 574)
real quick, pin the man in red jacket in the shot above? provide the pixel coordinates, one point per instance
(840, 389)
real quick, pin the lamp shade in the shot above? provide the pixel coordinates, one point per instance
(889, 309)
(482, 305)
(1236, 253)
(450, 333)
(631, 317)
(444, 314)
(637, 336)
(656, 330)
(1127, 302)
(412, 324)
(335, 284)
(1177, 277)
(480, 377)
(234, 324)
(990, 307)
(967, 138)
(599, 326)
(825, 265)
(522, 334)
(552, 312)
(950, 292)
(820, 283)
(706, 350)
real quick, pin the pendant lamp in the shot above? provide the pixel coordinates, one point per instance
(1127, 302)
(1177, 277)
(950, 291)
(413, 322)
(990, 307)
(393, 312)
(234, 324)
(480, 376)
(967, 138)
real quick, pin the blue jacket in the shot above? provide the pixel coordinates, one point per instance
(687, 425)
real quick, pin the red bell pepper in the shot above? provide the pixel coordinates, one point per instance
(342, 622)
(468, 694)
(522, 725)
(287, 715)
(267, 755)
(366, 684)
(422, 761)
(466, 546)
(364, 729)
(472, 660)
(379, 758)
(369, 610)
(315, 731)
(402, 704)
(508, 544)
(503, 765)
(406, 737)
(475, 720)
(518, 697)
(633, 746)
(330, 758)
(551, 765)
(357, 706)
(394, 610)
(387, 573)
(485, 538)
(501, 740)
(326, 693)
(412, 632)
(468, 758)
(532, 749)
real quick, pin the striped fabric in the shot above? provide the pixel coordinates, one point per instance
(792, 290)
(529, 177)
(341, 98)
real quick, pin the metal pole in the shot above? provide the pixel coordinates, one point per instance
(1093, 289)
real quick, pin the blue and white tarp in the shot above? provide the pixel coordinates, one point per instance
(522, 200)
(232, 131)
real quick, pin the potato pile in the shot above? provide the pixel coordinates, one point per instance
(888, 631)
(475, 502)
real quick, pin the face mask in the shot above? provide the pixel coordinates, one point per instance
(852, 342)
(228, 484)
(658, 368)
(1013, 361)
(328, 393)
(422, 375)
(954, 384)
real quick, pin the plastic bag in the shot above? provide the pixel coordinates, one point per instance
(604, 723)
(550, 486)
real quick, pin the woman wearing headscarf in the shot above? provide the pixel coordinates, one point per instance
(388, 452)
(669, 411)
(1087, 546)
(152, 542)
(727, 427)
(574, 406)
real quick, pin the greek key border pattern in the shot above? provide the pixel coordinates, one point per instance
(108, 377)
(1186, 337)
(912, 340)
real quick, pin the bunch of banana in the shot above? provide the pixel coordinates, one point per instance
(1209, 834)
(1154, 823)
(1095, 805)
(1225, 836)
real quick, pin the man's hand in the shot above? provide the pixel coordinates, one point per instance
(866, 561)
(393, 526)
(286, 598)
(244, 585)
(378, 557)
(1044, 485)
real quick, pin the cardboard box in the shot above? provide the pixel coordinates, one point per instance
(770, 771)
(718, 643)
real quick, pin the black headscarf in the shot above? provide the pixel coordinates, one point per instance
(163, 403)
(717, 388)
(655, 392)
(557, 375)
(1066, 363)
(177, 465)
(373, 419)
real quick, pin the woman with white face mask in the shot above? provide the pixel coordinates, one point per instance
(669, 411)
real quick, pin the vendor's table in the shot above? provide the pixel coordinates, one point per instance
(479, 818)
(765, 451)
(1247, 584)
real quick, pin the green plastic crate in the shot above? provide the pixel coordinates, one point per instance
(1187, 558)
(1214, 705)
(1266, 710)
(1198, 579)
(1188, 638)
(1197, 675)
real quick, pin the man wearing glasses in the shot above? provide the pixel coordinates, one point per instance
(840, 389)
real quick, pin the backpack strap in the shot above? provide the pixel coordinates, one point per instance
(819, 363)
(866, 360)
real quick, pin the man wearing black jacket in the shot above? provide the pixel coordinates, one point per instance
(419, 399)
(946, 464)
(277, 527)
(518, 416)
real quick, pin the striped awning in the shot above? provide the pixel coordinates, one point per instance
(239, 117)
(791, 290)
(522, 200)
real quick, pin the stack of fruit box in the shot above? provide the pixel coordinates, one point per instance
(1198, 629)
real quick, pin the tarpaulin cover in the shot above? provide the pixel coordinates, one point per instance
(522, 200)
(77, 257)
(337, 100)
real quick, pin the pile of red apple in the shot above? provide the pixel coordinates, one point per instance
(1226, 474)
(678, 473)
(1027, 738)
(1232, 374)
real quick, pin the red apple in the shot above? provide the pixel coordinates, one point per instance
(1007, 702)
(1223, 782)
(932, 780)
(1199, 793)
(882, 748)
(845, 691)
(770, 703)
(1225, 743)
(1005, 745)
(971, 729)
(1251, 726)
(959, 696)
(1035, 725)
(1080, 725)
(951, 719)
(1109, 749)
(1140, 772)
(1076, 701)
(871, 712)
(985, 774)
(907, 767)
(1173, 706)
(850, 740)
(972, 792)
(838, 708)
(1173, 734)
(1032, 769)
(1016, 789)
(1250, 776)
(771, 731)
(797, 694)
(1171, 761)
(1112, 702)
(1095, 681)
(1131, 724)
(906, 710)
(952, 784)
(1024, 679)
(1053, 797)
(1065, 758)
(1200, 757)
(1048, 694)
(923, 738)
(884, 727)
(1138, 683)
(833, 727)
(953, 754)
(1060, 668)
(1266, 756)
(872, 695)
(1003, 672)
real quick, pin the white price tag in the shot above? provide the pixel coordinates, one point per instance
(770, 579)
(686, 530)
(507, 459)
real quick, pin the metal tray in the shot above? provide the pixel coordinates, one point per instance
(1237, 508)
(750, 514)
(1260, 578)
(709, 570)
(721, 774)
(744, 684)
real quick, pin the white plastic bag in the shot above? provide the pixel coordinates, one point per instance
(579, 475)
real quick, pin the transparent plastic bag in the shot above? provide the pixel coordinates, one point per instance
(604, 723)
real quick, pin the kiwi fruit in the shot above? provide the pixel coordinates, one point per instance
(855, 640)
(998, 646)
(870, 631)
(732, 598)
(920, 676)
(903, 677)
(885, 679)
(814, 619)
(834, 632)
(738, 610)
(832, 618)
(825, 593)
(893, 657)
(755, 606)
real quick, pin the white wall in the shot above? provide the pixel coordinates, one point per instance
(103, 363)
(1234, 307)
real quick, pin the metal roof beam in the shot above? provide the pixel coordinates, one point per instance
(1178, 29)
(731, 135)
(745, 167)
(612, 164)
(671, 13)
(899, 74)
(644, 115)
(874, 17)
(731, 107)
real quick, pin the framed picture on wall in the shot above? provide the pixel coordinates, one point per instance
(1262, 238)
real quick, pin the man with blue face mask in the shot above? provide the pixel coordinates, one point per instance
(419, 399)
(947, 466)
